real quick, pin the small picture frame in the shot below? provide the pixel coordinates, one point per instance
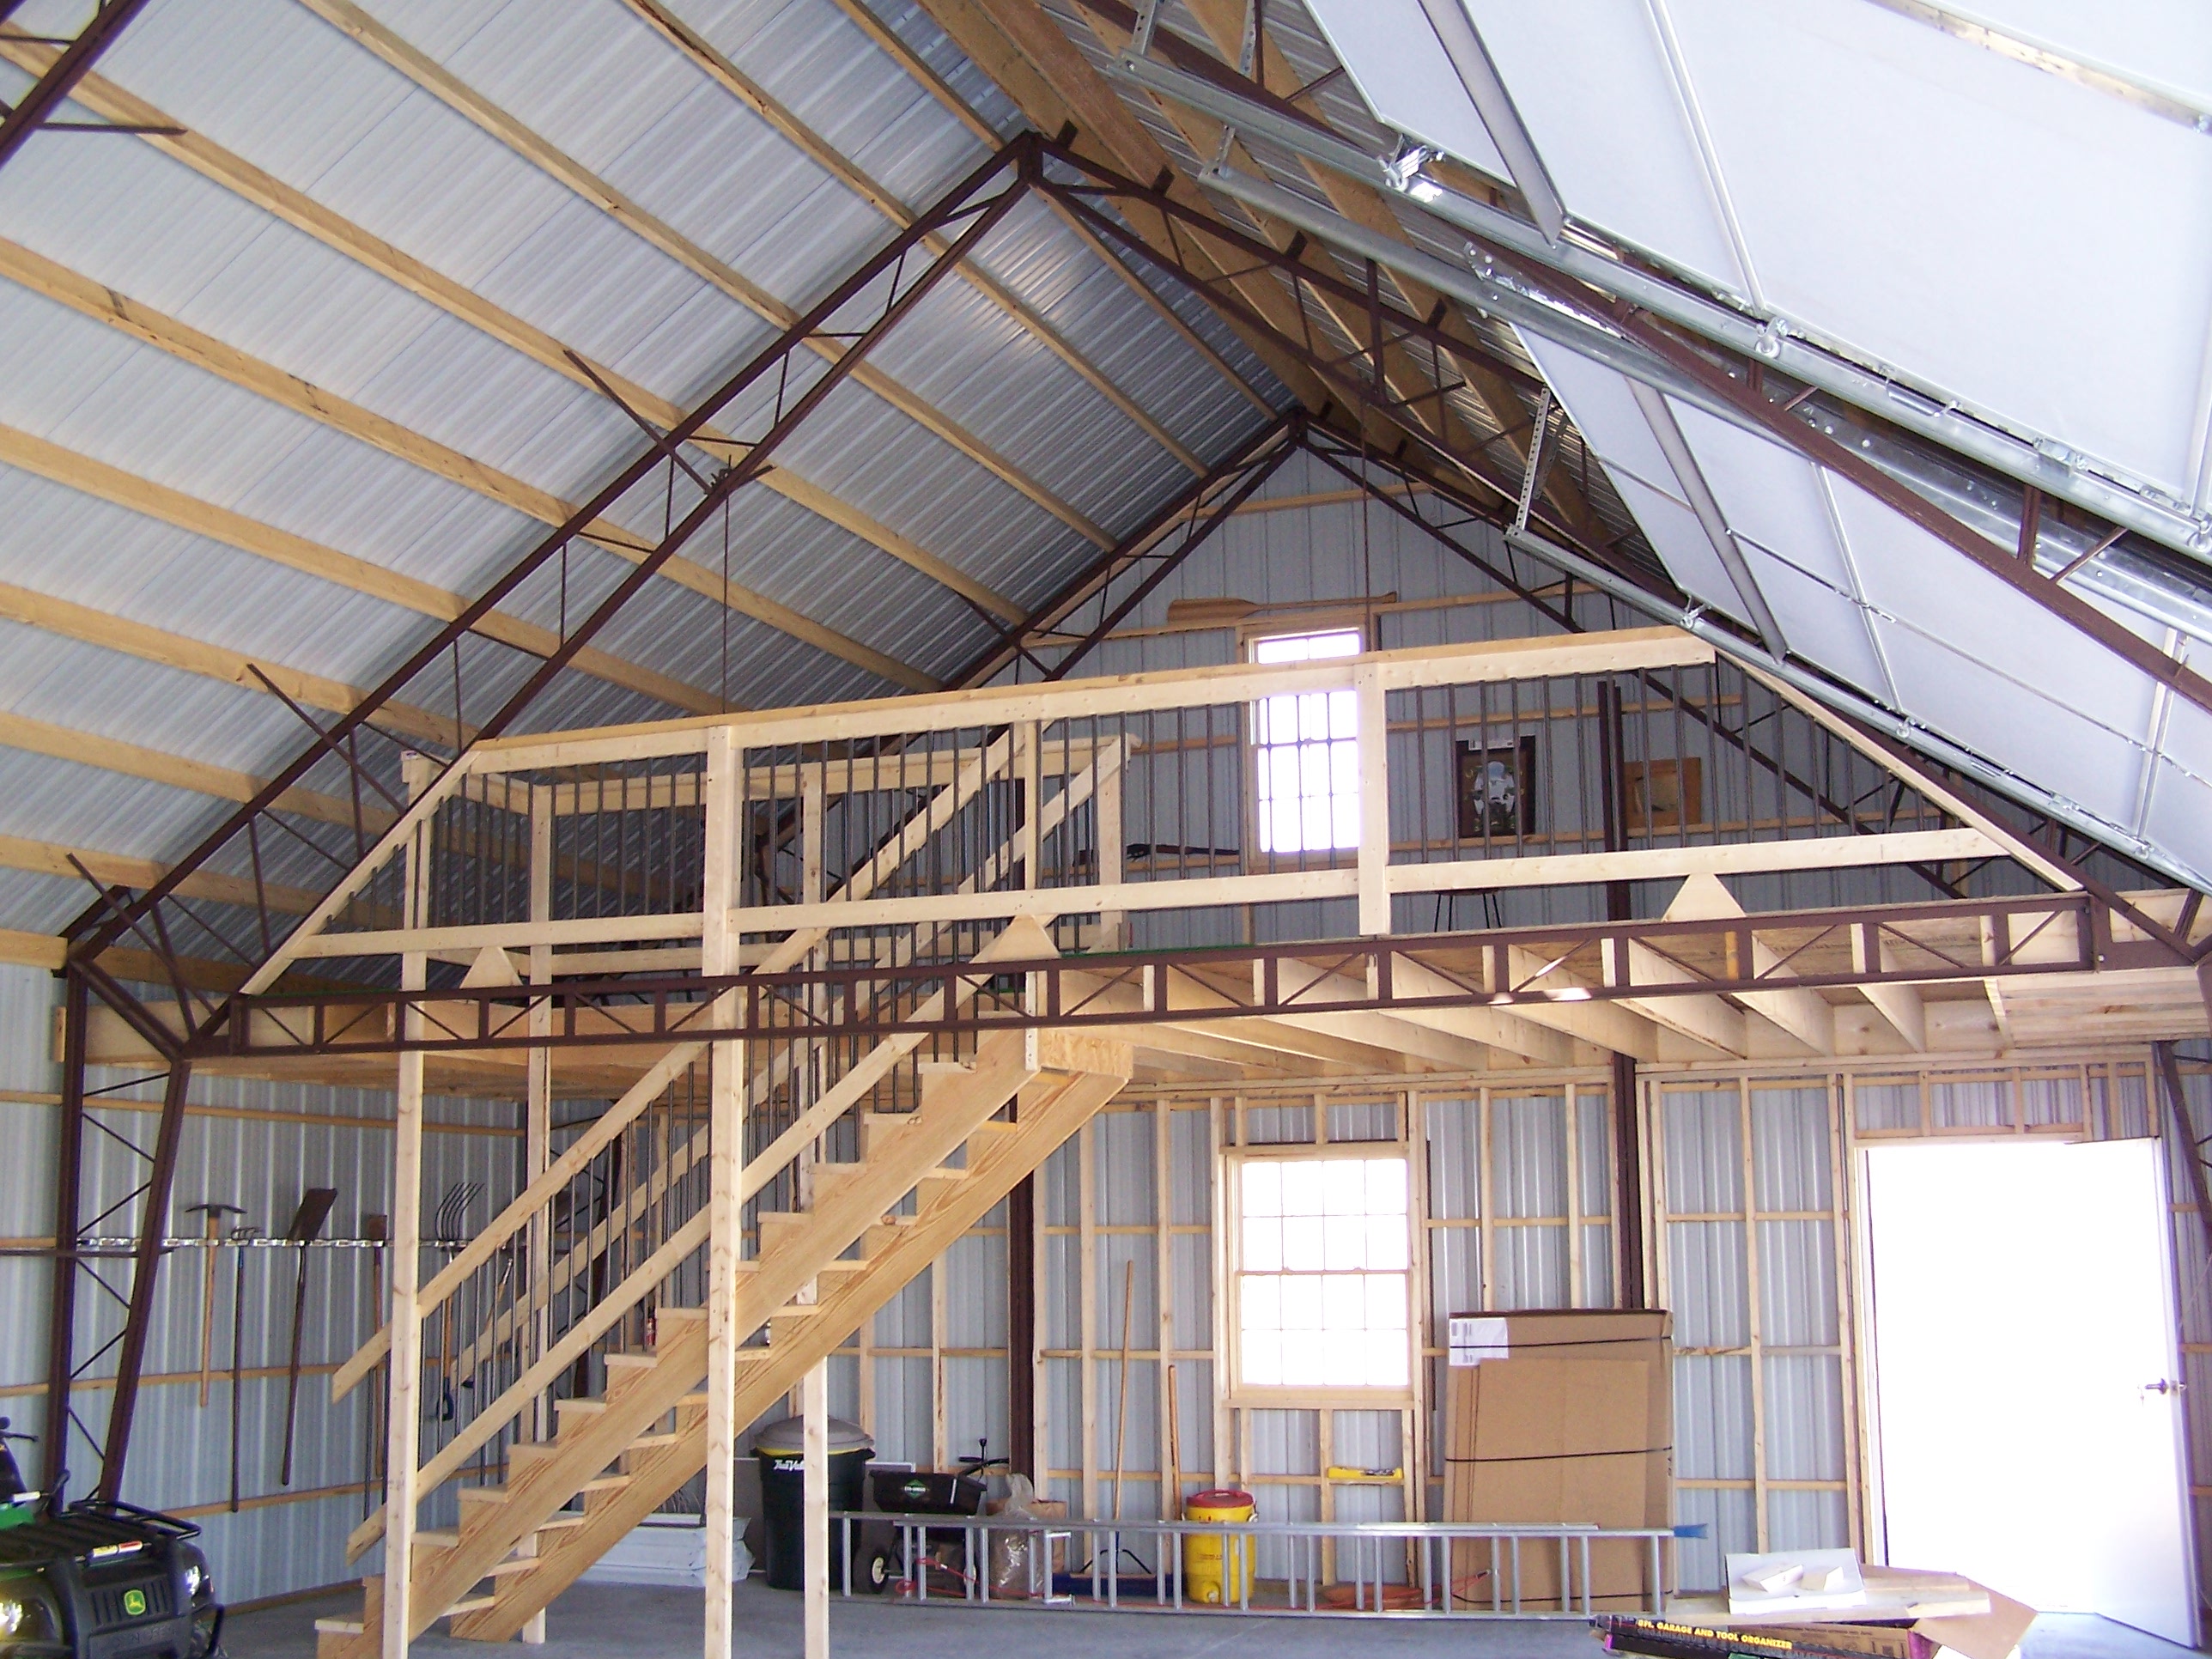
(1662, 794)
(1498, 790)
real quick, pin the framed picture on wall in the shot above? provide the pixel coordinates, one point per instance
(1498, 790)
(1662, 794)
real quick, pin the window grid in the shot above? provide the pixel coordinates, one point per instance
(1324, 1255)
(1306, 751)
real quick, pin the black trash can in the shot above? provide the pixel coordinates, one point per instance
(781, 1449)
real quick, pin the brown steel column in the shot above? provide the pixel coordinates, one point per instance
(1627, 1187)
(61, 1327)
(1021, 1329)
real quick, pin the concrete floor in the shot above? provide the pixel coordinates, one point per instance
(594, 1620)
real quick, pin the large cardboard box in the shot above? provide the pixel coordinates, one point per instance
(1567, 1416)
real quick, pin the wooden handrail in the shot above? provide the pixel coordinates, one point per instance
(517, 1215)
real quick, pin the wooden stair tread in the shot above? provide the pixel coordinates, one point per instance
(341, 1627)
(469, 1604)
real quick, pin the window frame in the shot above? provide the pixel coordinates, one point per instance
(1270, 1395)
(1251, 636)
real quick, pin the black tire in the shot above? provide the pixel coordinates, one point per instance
(878, 1569)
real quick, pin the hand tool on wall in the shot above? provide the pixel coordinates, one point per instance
(212, 1213)
(307, 1227)
(238, 1235)
(1171, 1499)
(377, 1230)
(452, 1231)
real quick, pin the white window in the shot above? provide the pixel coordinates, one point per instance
(1306, 751)
(1322, 1258)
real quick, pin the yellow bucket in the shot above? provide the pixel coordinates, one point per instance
(1217, 1568)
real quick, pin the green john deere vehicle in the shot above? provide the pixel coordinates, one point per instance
(98, 1579)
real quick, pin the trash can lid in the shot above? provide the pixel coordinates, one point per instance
(788, 1437)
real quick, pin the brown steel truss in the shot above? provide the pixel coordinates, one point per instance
(1942, 943)
(851, 318)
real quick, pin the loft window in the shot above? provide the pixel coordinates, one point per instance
(1323, 1256)
(1306, 751)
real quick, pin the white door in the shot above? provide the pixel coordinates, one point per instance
(2022, 1302)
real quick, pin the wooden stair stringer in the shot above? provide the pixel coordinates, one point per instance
(1051, 1109)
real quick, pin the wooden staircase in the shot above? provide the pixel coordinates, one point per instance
(820, 1273)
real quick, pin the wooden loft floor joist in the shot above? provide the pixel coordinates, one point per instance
(172, 507)
(896, 48)
(465, 100)
(373, 253)
(818, 149)
(150, 644)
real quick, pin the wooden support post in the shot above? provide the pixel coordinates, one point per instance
(537, 1123)
(719, 954)
(403, 1414)
(1086, 1222)
(1374, 799)
(1110, 763)
(1029, 778)
(815, 1442)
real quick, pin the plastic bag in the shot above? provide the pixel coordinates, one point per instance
(1013, 1552)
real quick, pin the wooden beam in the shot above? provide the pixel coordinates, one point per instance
(1223, 20)
(897, 47)
(156, 766)
(465, 99)
(113, 484)
(1802, 1013)
(47, 858)
(1018, 45)
(303, 213)
(1900, 1004)
(757, 98)
(1610, 1025)
(81, 623)
(1701, 1017)
(1482, 662)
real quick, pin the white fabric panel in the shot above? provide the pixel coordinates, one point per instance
(1604, 409)
(2039, 248)
(1820, 622)
(2041, 739)
(1680, 542)
(1595, 92)
(1930, 586)
(2161, 44)
(1395, 58)
(2180, 816)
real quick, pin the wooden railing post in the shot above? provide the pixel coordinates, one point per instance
(537, 1125)
(1108, 764)
(402, 1416)
(1374, 799)
(719, 954)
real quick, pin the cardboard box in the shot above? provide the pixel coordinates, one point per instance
(1574, 1423)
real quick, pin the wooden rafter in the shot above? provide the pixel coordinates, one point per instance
(1039, 67)
(118, 870)
(1223, 20)
(900, 51)
(296, 209)
(113, 484)
(719, 68)
(141, 639)
(465, 99)
(131, 760)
